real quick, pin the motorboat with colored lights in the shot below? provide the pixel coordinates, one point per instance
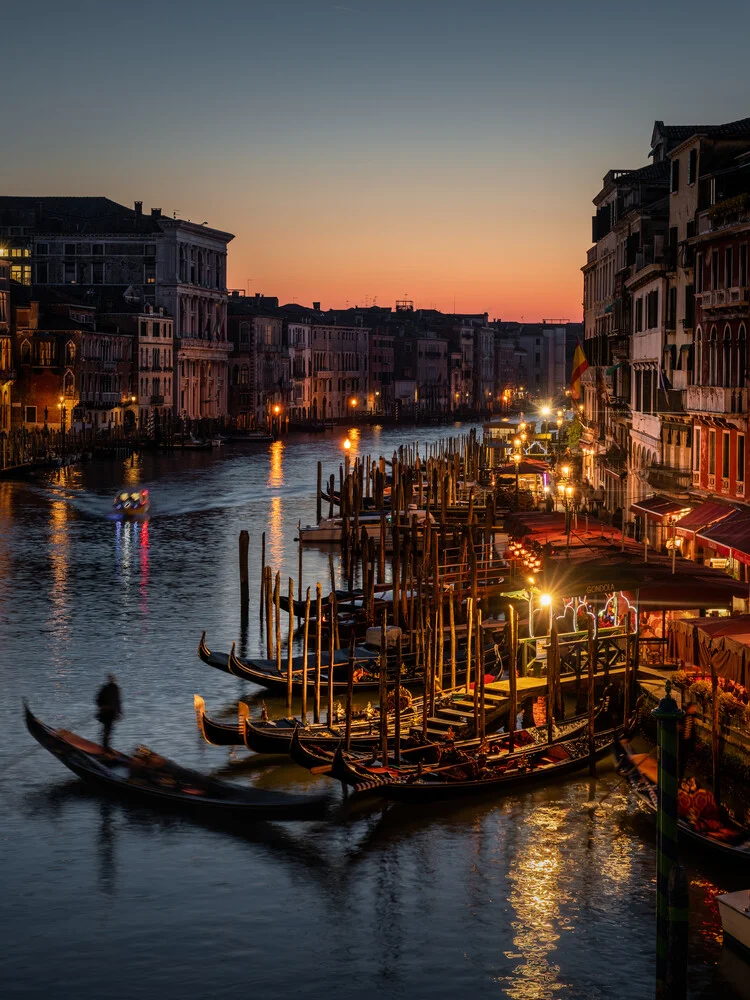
(131, 504)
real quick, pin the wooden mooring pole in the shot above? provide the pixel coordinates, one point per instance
(244, 577)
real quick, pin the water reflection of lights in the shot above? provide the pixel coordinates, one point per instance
(276, 469)
(132, 543)
(131, 473)
(60, 564)
(537, 897)
(353, 436)
(142, 534)
(275, 518)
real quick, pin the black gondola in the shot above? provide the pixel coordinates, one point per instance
(367, 661)
(148, 777)
(220, 734)
(354, 766)
(469, 778)
(729, 839)
(265, 673)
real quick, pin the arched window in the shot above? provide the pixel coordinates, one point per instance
(713, 356)
(741, 356)
(698, 370)
(244, 333)
(25, 352)
(70, 352)
(726, 361)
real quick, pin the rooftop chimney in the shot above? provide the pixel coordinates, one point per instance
(155, 213)
(316, 306)
(139, 208)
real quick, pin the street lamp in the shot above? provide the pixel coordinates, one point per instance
(63, 415)
(545, 413)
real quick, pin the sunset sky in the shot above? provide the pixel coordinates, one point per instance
(368, 149)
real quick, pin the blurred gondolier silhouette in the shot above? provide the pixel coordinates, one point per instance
(109, 708)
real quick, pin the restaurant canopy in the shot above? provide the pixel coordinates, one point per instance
(730, 537)
(656, 507)
(701, 517)
(526, 467)
(725, 641)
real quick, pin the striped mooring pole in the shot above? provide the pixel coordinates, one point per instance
(667, 714)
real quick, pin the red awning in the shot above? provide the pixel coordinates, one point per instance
(729, 537)
(701, 517)
(685, 593)
(656, 507)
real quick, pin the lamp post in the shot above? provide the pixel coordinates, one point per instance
(353, 404)
(545, 413)
(517, 460)
(347, 449)
(63, 416)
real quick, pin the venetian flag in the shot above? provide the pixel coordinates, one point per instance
(580, 364)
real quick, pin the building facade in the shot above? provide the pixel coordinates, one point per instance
(7, 369)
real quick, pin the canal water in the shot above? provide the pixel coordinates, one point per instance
(534, 896)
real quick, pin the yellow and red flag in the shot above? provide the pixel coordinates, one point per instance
(580, 364)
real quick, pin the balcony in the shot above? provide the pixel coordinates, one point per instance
(670, 401)
(7, 374)
(102, 400)
(723, 298)
(666, 477)
(715, 399)
(156, 400)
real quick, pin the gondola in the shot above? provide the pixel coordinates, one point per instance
(354, 767)
(727, 838)
(265, 673)
(148, 777)
(367, 659)
(276, 737)
(220, 734)
(344, 599)
(519, 769)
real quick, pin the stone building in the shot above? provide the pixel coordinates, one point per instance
(298, 338)
(655, 350)
(717, 401)
(7, 369)
(340, 359)
(105, 249)
(152, 383)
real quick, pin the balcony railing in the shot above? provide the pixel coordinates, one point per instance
(715, 399)
(665, 477)
(157, 400)
(723, 298)
(103, 399)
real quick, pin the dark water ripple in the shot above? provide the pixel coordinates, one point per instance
(541, 895)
